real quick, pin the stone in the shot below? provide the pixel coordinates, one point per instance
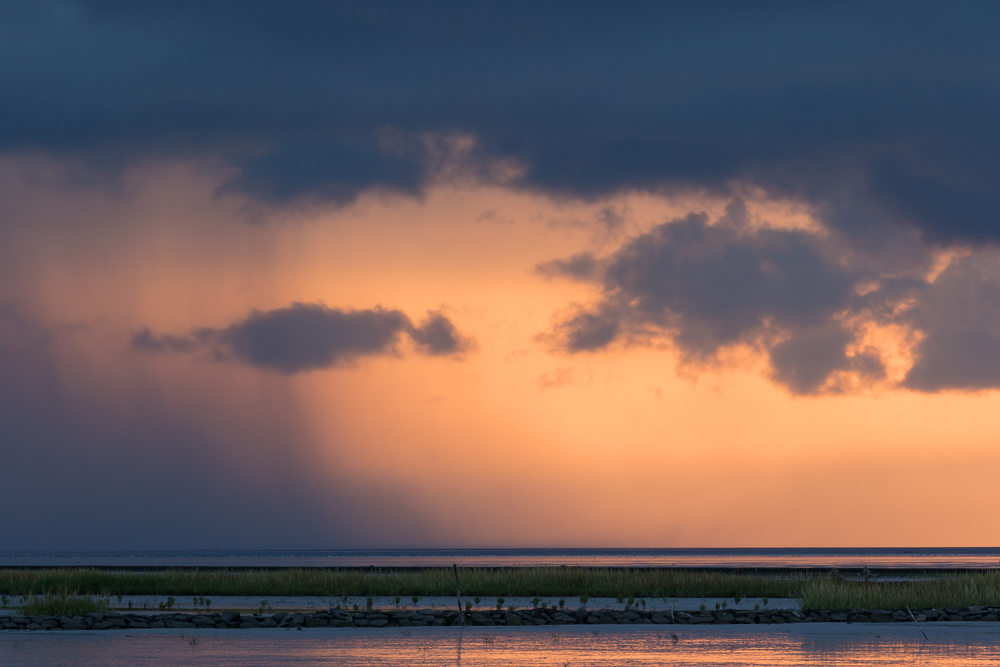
(231, 616)
(378, 622)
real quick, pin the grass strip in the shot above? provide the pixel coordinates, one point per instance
(530, 581)
(817, 591)
(61, 604)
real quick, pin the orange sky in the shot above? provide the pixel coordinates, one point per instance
(514, 443)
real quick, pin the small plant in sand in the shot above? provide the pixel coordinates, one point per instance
(765, 601)
(356, 606)
(724, 604)
(562, 603)
(468, 605)
(595, 631)
(583, 599)
(545, 605)
(208, 602)
(415, 599)
(674, 638)
(478, 600)
(511, 607)
(405, 632)
(718, 606)
(370, 602)
(397, 600)
(756, 606)
(737, 598)
(489, 639)
(193, 640)
(644, 604)
(701, 607)
(535, 601)
(620, 599)
(500, 602)
(129, 604)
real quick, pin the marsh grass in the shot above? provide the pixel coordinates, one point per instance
(541, 582)
(817, 591)
(958, 590)
(61, 604)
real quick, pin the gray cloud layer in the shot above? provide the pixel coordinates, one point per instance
(875, 112)
(305, 337)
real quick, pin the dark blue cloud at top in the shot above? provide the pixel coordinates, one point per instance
(874, 111)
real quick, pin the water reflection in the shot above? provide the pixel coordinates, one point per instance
(969, 644)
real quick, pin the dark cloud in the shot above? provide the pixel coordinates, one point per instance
(889, 105)
(437, 336)
(958, 316)
(582, 266)
(711, 286)
(305, 337)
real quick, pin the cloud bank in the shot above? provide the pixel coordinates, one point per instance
(875, 114)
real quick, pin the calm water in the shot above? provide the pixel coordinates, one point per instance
(723, 558)
(823, 644)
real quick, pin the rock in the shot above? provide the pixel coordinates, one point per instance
(839, 617)
(882, 617)
(157, 624)
(231, 616)
(378, 622)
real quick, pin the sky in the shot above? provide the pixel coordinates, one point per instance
(305, 275)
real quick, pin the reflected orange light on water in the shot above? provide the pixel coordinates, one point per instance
(481, 647)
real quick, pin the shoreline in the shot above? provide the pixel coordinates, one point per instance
(594, 618)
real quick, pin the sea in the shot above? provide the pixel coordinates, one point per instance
(936, 558)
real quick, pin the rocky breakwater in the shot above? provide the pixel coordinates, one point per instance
(523, 617)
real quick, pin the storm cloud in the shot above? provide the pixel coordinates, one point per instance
(888, 106)
(307, 336)
(710, 286)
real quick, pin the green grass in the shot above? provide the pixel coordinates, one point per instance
(959, 590)
(484, 582)
(60, 604)
(817, 591)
